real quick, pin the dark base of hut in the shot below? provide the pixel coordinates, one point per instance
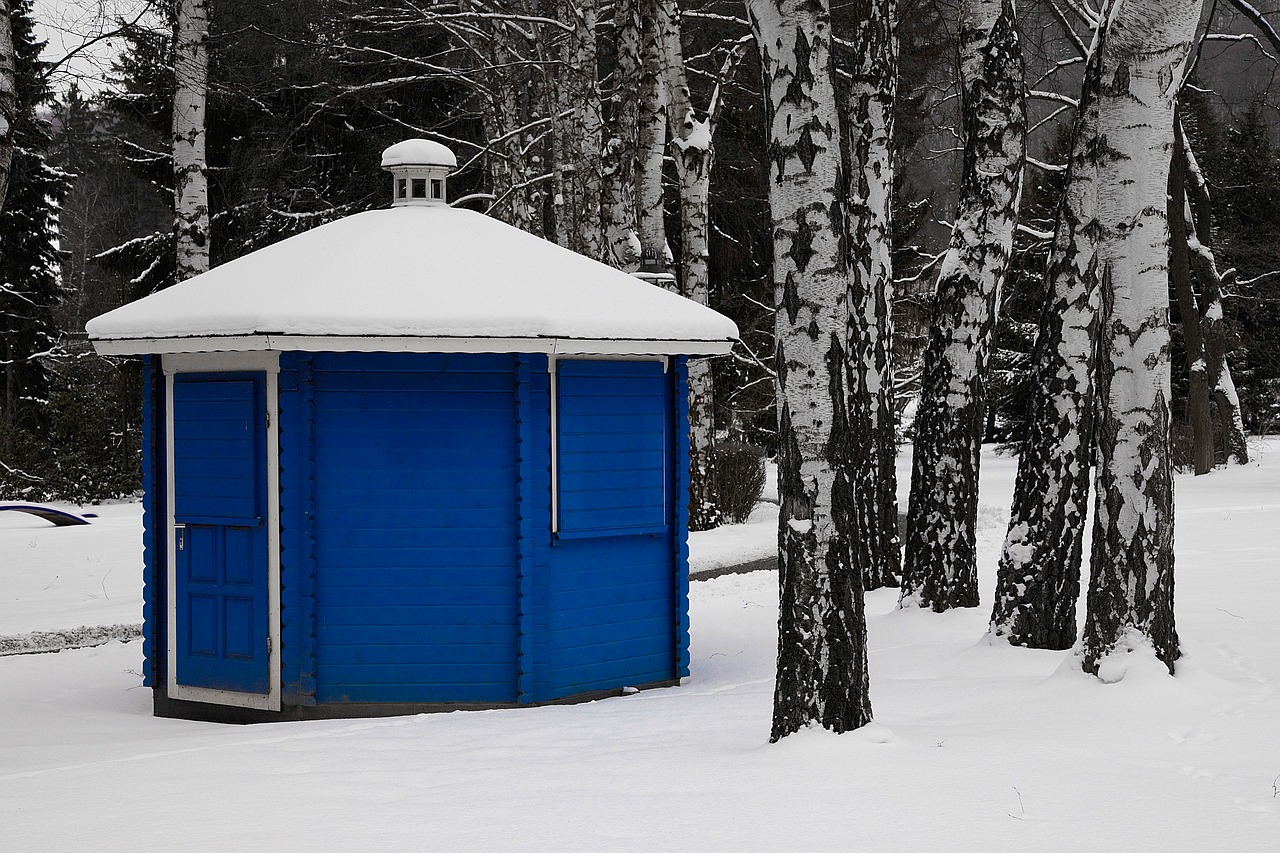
(180, 709)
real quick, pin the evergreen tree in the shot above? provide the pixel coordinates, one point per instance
(29, 257)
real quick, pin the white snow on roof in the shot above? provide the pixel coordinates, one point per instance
(411, 274)
(418, 152)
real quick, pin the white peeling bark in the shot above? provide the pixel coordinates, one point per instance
(1038, 576)
(822, 655)
(618, 189)
(869, 64)
(1130, 599)
(191, 183)
(578, 134)
(692, 132)
(507, 106)
(8, 99)
(940, 569)
(652, 136)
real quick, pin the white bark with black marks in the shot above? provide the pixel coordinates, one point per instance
(822, 652)
(1130, 600)
(190, 169)
(868, 65)
(578, 134)
(618, 191)
(1038, 576)
(692, 134)
(940, 568)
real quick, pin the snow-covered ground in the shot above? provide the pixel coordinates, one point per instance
(976, 746)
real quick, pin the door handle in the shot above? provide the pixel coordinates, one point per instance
(181, 530)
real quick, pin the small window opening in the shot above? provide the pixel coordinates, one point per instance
(402, 188)
(437, 188)
(419, 187)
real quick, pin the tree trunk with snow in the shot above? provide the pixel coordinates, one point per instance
(578, 130)
(940, 568)
(191, 183)
(1130, 601)
(1199, 414)
(8, 100)
(1038, 576)
(691, 136)
(652, 136)
(622, 131)
(869, 62)
(822, 652)
(509, 106)
(1217, 341)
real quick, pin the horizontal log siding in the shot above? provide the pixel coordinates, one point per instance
(611, 618)
(416, 528)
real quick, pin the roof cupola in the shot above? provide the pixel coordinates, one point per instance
(419, 168)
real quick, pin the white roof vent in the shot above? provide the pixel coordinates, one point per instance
(419, 168)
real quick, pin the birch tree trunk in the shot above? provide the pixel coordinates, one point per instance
(8, 100)
(1038, 575)
(940, 568)
(1213, 332)
(191, 183)
(578, 142)
(870, 63)
(618, 190)
(822, 653)
(1198, 400)
(691, 136)
(507, 113)
(1130, 601)
(652, 138)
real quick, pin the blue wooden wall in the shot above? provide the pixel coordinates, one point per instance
(418, 562)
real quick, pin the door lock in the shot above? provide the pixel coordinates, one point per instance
(181, 530)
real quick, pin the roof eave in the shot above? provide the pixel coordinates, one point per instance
(376, 343)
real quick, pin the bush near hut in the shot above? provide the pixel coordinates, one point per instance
(740, 474)
(83, 446)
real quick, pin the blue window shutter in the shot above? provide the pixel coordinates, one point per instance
(612, 447)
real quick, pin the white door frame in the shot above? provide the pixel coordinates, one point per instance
(267, 363)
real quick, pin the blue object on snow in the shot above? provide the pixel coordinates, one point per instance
(58, 517)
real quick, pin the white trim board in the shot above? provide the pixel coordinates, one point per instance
(389, 343)
(267, 363)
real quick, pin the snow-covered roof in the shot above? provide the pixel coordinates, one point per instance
(414, 279)
(418, 152)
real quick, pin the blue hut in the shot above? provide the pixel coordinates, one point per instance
(411, 459)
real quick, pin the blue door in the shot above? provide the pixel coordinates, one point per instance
(220, 531)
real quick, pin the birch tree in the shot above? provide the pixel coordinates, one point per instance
(578, 134)
(1130, 600)
(8, 98)
(622, 133)
(692, 133)
(940, 566)
(1206, 339)
(868, 61)
(191, 184)
(1038, 574)
(822, 655)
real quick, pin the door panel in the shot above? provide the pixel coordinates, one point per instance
(221, 565)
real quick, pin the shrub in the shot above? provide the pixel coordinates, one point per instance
(740, 473)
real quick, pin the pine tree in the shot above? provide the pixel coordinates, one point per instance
(29, 281)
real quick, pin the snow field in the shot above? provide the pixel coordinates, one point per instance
(976, 745)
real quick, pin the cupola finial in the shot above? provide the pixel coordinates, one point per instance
(420, 168)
